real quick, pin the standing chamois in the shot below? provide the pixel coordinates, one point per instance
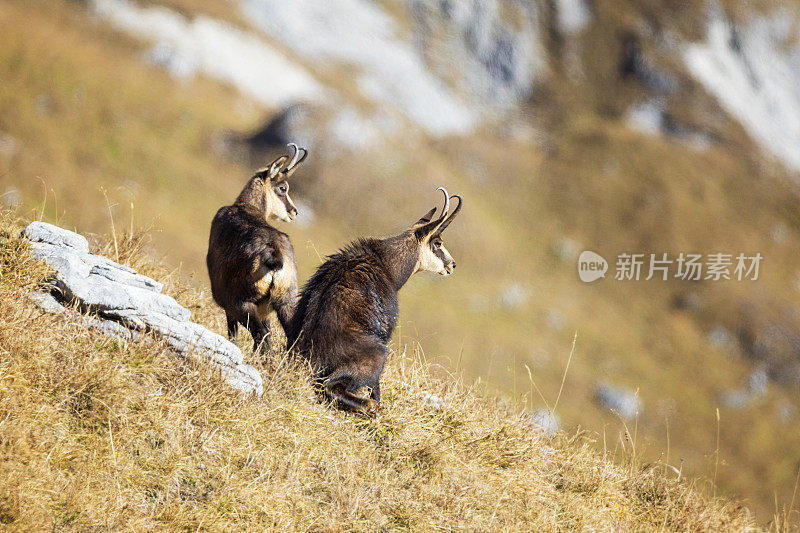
(251, 264)
(348, 309)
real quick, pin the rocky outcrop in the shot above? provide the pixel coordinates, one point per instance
(123, 303)
(497, 60)
(751, 68)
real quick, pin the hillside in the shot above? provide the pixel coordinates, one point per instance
(99, 434)
(612, 126)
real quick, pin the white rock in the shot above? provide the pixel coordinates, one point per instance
(647, 117)
(779, 233)
(47, 302)
(754, 72)
(573, 15)
(217, 49)
(178, 62)
(491, 51)
(121, 297)
(50, 234)
(363, 36)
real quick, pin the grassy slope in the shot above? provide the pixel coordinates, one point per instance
(98, 434)
(115, 123)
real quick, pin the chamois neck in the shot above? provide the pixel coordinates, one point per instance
(399, 255)
(253, 197)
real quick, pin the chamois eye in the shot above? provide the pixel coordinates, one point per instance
(283, 189)
(437, 244)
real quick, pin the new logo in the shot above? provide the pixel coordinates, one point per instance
(591, 266)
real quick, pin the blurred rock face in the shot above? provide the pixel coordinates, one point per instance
(368, 42)
(205, 45)
(461, 61)
(447, 67)
(752, 69)
(495, 47)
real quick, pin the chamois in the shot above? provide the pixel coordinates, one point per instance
(251, 264)
(348, 308)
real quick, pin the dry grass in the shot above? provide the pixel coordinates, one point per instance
(96, 122)
(95, 434)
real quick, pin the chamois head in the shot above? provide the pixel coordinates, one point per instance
(433, 256)
(275, 186)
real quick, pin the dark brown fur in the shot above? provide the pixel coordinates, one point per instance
(243, 248)
(348, 310)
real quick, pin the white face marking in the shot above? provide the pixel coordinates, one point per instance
(276, 209)
(429, 262)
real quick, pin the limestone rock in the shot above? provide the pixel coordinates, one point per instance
(125, 304)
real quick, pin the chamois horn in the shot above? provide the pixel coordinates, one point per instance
(452, 215)
(297, 158)
(430, 227)
(445, 209)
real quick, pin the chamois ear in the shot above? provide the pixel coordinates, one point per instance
(269, 173)
(426, 217)
(430, 227)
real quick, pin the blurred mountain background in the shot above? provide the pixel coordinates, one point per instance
(567, 125)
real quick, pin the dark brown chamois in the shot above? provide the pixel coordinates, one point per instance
(348, 309)
(251, 264)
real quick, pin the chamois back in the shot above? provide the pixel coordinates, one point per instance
(348, 309)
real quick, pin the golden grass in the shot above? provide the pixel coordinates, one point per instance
(116, 129)
(95, 434)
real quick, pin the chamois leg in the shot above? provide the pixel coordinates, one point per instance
(248, 317)
(337, 391)
(284, 307)
(376, 392)
(233, 326)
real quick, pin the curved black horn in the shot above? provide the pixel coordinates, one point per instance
(446, 207)
(452, 215)
(294, 156)
(298, 157)
(432, 226)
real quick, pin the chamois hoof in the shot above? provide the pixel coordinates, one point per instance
(370, 409)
